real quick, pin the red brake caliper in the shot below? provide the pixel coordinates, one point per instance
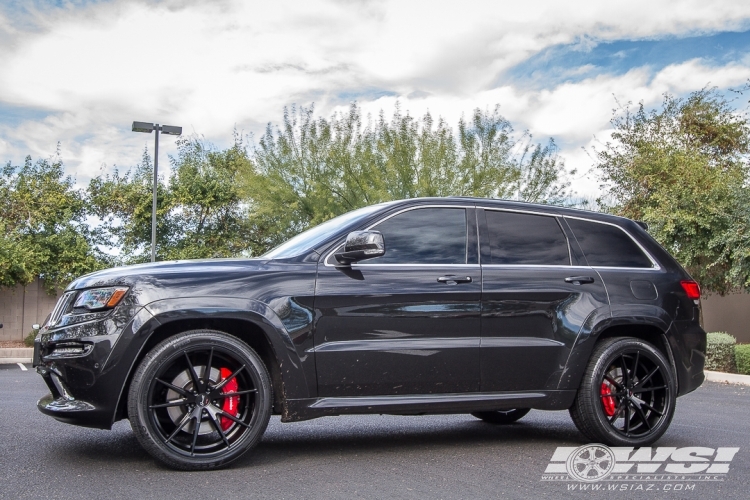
(607, 401)
(230, 403)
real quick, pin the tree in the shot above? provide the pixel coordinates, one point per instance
(311, 169)
(45, 234)
(199, 211)
(684, 170)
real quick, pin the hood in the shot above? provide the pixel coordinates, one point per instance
(195, 271)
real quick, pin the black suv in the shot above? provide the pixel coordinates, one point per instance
(438, 305)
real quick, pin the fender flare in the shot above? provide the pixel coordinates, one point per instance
(162, 312)
(597, 322)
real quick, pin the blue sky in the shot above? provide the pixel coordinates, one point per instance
(586, 58)
(79, 72)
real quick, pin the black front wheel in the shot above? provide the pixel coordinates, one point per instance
(627, 396)
(502, 417)
(200, 400)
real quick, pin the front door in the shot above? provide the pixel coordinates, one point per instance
(406, 322)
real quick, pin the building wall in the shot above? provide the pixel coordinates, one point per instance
(21, 307)
(730, 314)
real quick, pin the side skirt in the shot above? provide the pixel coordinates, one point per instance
(422, 404)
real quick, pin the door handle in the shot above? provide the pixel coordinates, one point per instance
(579, 280)
(454, 280)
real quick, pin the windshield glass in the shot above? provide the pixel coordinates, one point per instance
(316, 235)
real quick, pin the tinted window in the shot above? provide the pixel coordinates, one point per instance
(526, 239)
(424, 236)
(606, 245)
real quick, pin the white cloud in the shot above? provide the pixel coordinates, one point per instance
(211, 66)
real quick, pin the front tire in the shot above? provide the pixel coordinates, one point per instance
(627, 396)
(502, 417)
(200, 400)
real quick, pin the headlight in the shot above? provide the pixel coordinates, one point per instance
(100, 298)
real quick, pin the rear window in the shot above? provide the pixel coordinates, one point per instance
(526, 239)
(606, 245)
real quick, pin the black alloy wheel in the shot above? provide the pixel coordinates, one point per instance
(200, 400)
(627, 396)
(502, 417)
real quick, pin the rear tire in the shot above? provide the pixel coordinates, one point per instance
(200, 400)
(627, 396)
(502, 417)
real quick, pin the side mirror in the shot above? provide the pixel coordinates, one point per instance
(361, 245)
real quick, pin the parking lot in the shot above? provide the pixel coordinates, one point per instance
(451, 456)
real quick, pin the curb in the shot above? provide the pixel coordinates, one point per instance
(13, 361)
(731, 378)
(13, 355)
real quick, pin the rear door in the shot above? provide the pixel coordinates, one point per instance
(536, 296)
(407, 322)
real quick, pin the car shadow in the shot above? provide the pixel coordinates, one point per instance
(345, 437)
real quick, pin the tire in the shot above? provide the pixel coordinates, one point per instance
(208, 427)
(627, 396)
(502, 417)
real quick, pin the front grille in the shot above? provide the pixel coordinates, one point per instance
(63, 306)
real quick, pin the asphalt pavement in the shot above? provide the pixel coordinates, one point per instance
(444, 456)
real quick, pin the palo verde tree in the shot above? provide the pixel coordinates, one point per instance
(684, 169)
(311, 169)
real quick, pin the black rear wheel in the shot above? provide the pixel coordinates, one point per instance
(627, 396)
(200, 400)
(502, 417)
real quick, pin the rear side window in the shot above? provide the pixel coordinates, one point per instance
(424, 236)
(526, 239)
(607, 246)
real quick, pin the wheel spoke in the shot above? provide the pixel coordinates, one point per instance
(226, 380)
(634, 373)
(648, 389)
(652, 409)
(217, 425)
(642, 416)
(193, 374)
(612, 381)
(647, 377)
(169, 404)
(617, 414)
(184, 421)
(207, 371)
(178, 390)
(624, 367)
(237, 393)
(233, 418)
(628, 414)
(196, 431)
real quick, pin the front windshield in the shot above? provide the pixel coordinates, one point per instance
(316, 235)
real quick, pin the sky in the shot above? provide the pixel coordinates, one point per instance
(78, 73)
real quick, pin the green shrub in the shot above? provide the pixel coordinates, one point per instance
(720, 352)
(29, 340)
(742, 356)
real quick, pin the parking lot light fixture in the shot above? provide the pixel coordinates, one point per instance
(147, 128)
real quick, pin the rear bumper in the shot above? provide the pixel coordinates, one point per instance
(687, 340)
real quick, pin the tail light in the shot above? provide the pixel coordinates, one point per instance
(692, 289)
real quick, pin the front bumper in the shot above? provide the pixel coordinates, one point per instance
(86, 385)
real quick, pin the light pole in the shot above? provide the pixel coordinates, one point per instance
(164, 129)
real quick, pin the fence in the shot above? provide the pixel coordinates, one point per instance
(21, 307)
